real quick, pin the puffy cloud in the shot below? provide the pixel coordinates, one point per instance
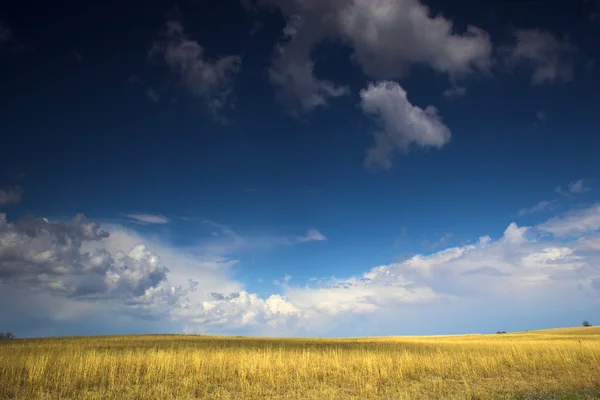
(243, 311)
(573, 223)
(209, 80)
(49, 256)
(148, 218)
(387, 37)
(401, 124)
(539, 207)
(551, 59)
(11, 195)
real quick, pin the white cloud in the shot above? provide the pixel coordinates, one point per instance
(573, 223)
(401, 124)
(387, 37)
(209, 80)
(544, 205)
(511, 268)
(11, 195)
(242, 311)
(148, 218)
(551, 59)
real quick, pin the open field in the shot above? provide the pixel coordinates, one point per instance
(553, 364)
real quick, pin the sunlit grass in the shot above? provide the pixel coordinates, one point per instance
(508, 366)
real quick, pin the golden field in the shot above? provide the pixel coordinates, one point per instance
(553, 364)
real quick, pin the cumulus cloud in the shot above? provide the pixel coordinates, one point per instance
(401, 124)
(544, 205)
(11, 195)
(515, 267)
(387, 37)
(206, 79)
(49, 256)
(63, 271)
(148, 218)
(243, 311)
(551, 58)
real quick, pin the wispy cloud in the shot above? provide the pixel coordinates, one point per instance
(539, 207)
(551, 58)
(5, 32)
(540, 117)
(11, 195)
(152, 95)
(312, 235)
(578, 187)
(227, 241)
(148, 218)
(205, 79)
(285, 280)
(454, 92)
(574, 188)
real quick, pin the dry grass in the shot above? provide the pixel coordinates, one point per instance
(509, 366)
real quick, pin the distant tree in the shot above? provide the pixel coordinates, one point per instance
(6, 336)
(586, 323)
(500, 332)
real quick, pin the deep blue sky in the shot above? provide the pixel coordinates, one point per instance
(80, 135)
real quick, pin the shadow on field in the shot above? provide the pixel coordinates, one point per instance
(592, 394)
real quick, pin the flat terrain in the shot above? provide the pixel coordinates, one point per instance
(552, 364)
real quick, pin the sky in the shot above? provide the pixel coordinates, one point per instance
(304, 168)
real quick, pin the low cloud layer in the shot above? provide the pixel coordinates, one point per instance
(556, 262)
